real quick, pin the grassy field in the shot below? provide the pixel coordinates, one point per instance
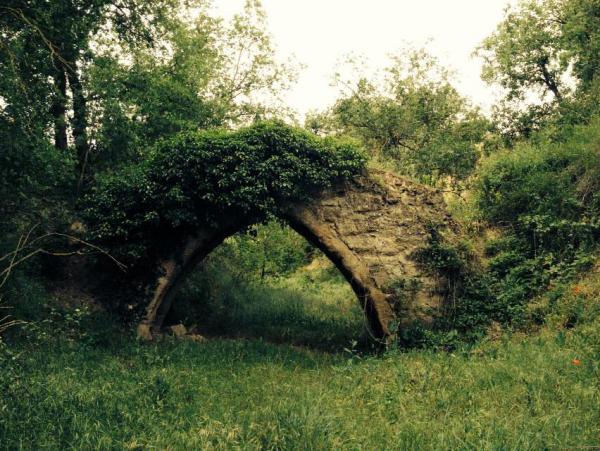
(76, 385)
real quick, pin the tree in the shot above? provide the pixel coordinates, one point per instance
(524, 54)
(414, 118)
(88, 86)
(547, 48)
(117, 75)
(249, 81)
(212, 74)
(581, 39)
(54, 40)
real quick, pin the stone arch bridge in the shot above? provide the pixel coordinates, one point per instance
(370, 228)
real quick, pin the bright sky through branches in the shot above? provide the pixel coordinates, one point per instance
(321, 32)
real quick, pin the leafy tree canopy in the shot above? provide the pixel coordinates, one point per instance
(544, 55)
(413, 118)
(525, 51)
(88, 86)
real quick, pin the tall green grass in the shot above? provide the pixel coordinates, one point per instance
(315, 308)
(87, 387)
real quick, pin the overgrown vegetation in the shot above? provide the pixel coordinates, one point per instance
(510, 391)
(123, 125)
(208, 177)
(413, 120)
(542, 201)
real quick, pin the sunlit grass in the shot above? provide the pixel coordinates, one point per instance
(101, 391)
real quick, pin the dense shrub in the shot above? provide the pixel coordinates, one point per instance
(544, 197)
(560, 180)
(202, 177)
(469, 305)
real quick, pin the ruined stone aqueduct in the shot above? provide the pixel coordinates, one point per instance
(370, 228)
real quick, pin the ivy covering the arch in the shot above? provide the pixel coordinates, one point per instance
(198, 178)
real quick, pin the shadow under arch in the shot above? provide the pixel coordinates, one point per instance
(369, 228)
(270, 284)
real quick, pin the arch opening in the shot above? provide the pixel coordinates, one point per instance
(177, 269)
(270, 283)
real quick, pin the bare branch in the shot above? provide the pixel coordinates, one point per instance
(23, 243)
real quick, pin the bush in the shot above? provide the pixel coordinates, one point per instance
(199, 178)
(470, 305)
(557, 180)
(545, 199)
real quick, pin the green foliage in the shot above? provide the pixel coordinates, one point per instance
(269, 250)
(50, 46)
(230, 296)
(569, 305)
(518, 274)
(34, 179)
(581, 37)
(48, 104)
(521, 264)
(210, 177)
(106, 79)
(548, 48)
(547, 180)
(545, 198)
(205, 73)
(439, 257)
(414, 118)
(525, 52)
(527, 181)
(469, 305)
(525, 393)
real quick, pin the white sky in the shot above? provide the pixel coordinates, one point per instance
(319, 33)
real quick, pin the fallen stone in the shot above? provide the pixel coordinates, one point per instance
(178, 330)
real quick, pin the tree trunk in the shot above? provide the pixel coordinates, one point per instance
(550, 82)
(79, 124)
(59, 107)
